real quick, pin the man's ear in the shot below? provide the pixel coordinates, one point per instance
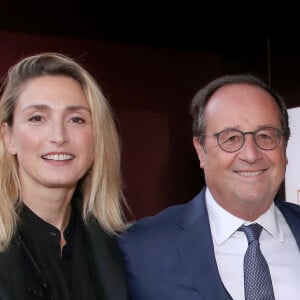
(200, 151)
(6, 132)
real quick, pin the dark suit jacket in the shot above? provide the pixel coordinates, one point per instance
(20, 278)
(170, 256)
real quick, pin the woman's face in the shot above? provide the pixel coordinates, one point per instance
(52, 133)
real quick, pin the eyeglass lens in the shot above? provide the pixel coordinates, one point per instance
(232, 139)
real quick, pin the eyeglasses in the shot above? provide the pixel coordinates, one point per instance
(232, 140)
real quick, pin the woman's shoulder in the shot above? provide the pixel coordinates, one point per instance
(12, 276)
(11, 257)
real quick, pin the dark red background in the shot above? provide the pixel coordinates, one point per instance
(150, 89)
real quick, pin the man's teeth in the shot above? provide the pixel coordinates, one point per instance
(250, 173)
(58, 157)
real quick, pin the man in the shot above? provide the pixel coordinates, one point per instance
(196, 250)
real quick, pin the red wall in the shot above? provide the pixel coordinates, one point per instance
(150, 90)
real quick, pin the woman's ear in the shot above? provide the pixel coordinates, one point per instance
(6, 132)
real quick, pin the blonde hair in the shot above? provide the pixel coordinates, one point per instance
(102, 185)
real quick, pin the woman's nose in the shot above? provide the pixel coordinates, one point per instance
(58, 134)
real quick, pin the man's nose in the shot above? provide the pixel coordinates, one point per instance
(250, 151)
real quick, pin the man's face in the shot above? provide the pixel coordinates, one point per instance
(244, 182)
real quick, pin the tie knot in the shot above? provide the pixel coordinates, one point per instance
(252, 231)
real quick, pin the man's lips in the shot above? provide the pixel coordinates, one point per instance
(249, 173)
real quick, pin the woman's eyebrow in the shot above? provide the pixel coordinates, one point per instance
(46, 107)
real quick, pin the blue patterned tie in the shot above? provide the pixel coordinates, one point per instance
(257, 278)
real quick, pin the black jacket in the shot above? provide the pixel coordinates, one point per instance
(20, 277)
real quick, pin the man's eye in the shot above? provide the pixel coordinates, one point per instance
(232, 138)
(263, 136)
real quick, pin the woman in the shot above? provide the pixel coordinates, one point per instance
(60, 185)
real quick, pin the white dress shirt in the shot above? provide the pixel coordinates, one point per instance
(277, 242)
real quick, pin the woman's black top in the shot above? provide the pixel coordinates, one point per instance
(90, 266)
(64, 273)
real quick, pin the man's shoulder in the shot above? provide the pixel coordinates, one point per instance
(288, 207)
(161, 229)
(165, 225)
(162, 220)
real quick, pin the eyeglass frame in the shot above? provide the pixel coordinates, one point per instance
(280, 132)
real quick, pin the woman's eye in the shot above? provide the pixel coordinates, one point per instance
(35, 119)
(77, 120)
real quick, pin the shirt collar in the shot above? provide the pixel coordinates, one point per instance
(223, 224)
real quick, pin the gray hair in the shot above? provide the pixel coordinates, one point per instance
(200, 100)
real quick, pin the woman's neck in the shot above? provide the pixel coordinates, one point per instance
(51, 205)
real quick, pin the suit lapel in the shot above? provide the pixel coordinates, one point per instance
(291, 213)
(195, 246)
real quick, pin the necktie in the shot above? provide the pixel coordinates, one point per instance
(257, 278)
